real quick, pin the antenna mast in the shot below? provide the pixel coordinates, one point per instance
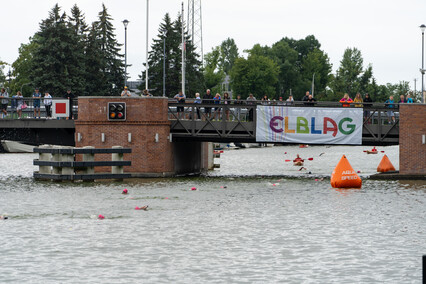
(195, 27)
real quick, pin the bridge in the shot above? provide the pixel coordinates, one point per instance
(226, 123)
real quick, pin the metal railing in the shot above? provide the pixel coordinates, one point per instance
(236, 120)
(29, 111)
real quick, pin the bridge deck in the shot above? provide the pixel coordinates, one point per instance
(227, 123)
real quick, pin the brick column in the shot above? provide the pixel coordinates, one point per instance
(145, 118)
(412, 153)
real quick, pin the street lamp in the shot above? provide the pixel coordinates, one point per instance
(164, 63)
(423, 28)
(125, 23)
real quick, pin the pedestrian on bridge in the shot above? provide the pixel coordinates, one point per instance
(4, 102)
(70, 96)
(208, 99)
(238, 101)
(36, 102)
(251, 100)
(346, 101)
(48, 104)
(390, 103)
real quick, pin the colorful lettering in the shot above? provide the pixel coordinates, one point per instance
(302, 125)
(286, 129)
(313, 130)
(350, 126)
(327, 129)
(273, 124)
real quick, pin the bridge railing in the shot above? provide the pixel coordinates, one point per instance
(237, 119)
(28, 112)
(374, 113)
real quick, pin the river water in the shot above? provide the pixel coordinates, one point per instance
(288, 226)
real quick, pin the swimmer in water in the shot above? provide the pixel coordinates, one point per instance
(3, 217)
(302, 168)
(321, 154)
(145, 208)
(125, 191)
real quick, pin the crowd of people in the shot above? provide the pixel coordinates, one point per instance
(214, 112)
(223, 112)
(18, 103)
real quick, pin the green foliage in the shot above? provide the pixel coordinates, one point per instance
(64, 54)
(22, 68)
(298, 61)
(257, 75)
(2, 76)
(194, 80)
(228, 55)
(213, 73)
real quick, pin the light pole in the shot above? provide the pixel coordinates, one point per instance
(422, 28)
(164, 63)
(125, 23)
(147, 66)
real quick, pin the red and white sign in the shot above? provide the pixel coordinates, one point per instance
(60, 108)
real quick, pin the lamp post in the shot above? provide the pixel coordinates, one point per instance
(164, 63)
(422, 28)
(125, 23)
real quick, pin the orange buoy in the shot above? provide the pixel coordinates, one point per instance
(344, 175)
(385, 165)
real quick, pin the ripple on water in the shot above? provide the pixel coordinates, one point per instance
(299, 230)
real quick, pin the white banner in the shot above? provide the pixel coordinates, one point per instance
(309, 125)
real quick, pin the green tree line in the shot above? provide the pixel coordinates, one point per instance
(68, 53)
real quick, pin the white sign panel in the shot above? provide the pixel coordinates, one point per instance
(60, 108)
(309, 125)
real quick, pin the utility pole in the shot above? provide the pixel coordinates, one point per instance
(183, 54)
(147, 66)
(195, 26)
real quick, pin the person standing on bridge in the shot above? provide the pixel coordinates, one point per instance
(48, 104)
(208, 99)
(126, 92)
(19, 103)
(251, 100)
(346, 101)
(180, 98)
(239, 102)
(368, 102)
(36, 102)
(70, 96)
(390, 103)
(4, 101)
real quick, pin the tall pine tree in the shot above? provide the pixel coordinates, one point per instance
(56, 62)
(172, 33)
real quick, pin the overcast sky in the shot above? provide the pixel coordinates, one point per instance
(386, 31)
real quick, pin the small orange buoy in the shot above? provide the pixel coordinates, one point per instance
(344, 175)
(385, 165)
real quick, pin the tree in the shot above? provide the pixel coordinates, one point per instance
(350, 70)
(316, 63)
(257, 75)
(2, 76)
(56, 63)
(213, 73)
(172, 33)
(22, 68)
(228, 55)
(110, 65)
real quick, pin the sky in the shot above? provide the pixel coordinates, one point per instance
(386, 31)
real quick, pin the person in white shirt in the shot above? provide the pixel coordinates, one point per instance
(48, 104)
(4, 101)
